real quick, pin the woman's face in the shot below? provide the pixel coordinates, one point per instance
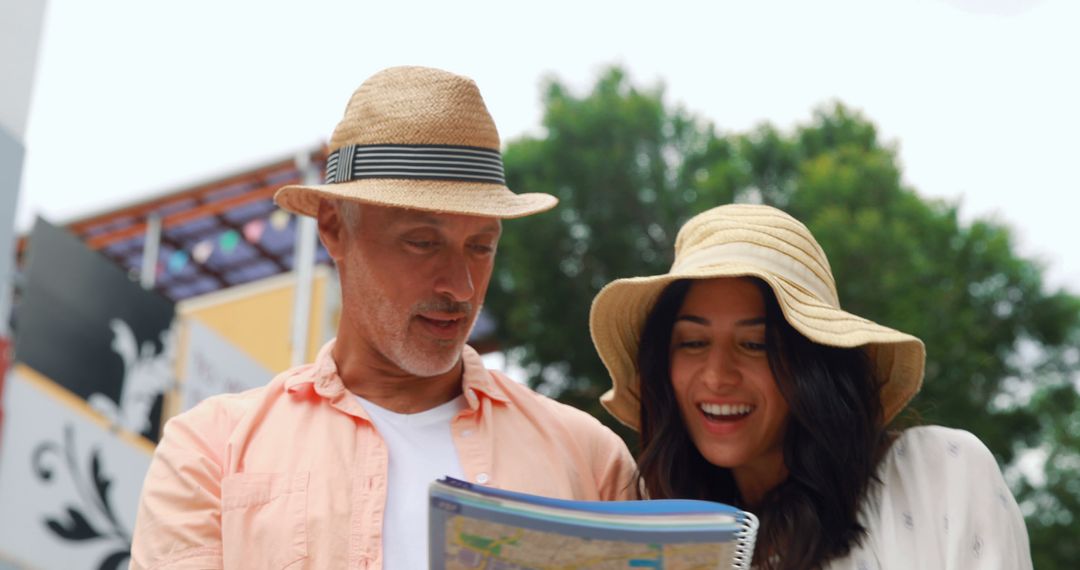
(720, 373)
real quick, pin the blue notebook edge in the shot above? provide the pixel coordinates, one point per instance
(658, 506)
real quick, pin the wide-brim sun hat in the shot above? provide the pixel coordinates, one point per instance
(743, 240)
(416, 138)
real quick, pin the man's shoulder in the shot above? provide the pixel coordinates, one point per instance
(567, 432)
(222, 411)
(523, 396)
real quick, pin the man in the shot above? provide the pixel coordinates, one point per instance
(328, 465)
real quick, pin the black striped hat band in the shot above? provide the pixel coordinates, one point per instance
(427, 162)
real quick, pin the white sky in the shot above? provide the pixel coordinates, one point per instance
(136, 98)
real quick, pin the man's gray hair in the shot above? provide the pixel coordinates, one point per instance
(349, 212)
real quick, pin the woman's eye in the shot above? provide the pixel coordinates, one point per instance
(755, 346)
(690, 344)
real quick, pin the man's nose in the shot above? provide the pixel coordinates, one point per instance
(454, 279)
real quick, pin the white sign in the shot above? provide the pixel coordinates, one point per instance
(69, 486)
(213, 365)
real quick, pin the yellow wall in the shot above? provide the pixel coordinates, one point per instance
(257, 317)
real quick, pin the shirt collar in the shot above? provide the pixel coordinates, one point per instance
(322, 376)
(478, 379)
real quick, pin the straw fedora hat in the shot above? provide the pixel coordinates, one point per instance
(764, 242)
(418, 138)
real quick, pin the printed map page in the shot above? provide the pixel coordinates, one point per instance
(472, 544)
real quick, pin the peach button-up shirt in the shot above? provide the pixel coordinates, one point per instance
(293, 474)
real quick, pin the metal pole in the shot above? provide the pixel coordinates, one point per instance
(151, 247)
(11, 159)
(303, 266)
(21, 22)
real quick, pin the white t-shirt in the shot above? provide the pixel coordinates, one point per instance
(942, 504)
(421, 450)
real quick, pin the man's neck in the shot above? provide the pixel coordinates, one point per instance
(381, 382)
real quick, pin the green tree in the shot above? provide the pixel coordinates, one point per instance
(1002, 357)
(1052, 505)
(615, 159)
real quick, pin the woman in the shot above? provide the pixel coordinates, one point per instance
(750, 386)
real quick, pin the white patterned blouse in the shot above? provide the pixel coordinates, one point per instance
(942, 503)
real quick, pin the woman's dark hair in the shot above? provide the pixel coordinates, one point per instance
(832, 444)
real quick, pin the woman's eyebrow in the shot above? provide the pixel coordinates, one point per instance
(703, 321)
(692, 319)
(751, 322)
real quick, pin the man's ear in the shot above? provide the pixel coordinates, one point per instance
(331, 229)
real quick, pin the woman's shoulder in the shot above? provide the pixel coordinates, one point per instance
(936, 469)
(939, 447)
(941, 502)
(937, 460)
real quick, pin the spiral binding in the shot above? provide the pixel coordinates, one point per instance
(745, 538)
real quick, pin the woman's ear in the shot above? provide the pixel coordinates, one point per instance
(331, 229)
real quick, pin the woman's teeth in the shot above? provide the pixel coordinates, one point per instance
(726, 410)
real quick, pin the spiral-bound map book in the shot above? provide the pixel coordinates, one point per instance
(472, 527)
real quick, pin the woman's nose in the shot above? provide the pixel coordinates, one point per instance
(722, 370)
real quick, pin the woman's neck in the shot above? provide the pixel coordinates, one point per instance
(756, 479)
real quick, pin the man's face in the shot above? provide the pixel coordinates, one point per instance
(412, 282)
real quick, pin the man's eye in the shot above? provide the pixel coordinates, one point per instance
(421, 244)
(482, 249)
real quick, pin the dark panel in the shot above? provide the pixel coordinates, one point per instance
(78, 313)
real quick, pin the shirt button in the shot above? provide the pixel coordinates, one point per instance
(466, 433)
(483, 478)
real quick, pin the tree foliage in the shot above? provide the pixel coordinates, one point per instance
(628, 169)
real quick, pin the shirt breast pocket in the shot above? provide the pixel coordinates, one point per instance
(264, 520)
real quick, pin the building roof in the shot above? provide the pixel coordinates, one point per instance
(213, 235)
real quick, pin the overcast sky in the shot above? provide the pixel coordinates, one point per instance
(137, 98)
